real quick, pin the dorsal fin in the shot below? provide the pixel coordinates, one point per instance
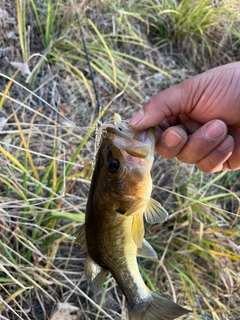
(94, 274)
(98, 281)
(81, 237)
(154, 212)
(92, 269)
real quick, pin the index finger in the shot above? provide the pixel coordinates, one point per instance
(162, 105)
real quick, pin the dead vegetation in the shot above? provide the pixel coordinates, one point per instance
(46, 114)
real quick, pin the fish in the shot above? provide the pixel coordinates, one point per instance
(113, 233)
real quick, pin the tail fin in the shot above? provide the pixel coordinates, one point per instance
(157, 308)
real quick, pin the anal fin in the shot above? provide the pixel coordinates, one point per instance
(146, 251)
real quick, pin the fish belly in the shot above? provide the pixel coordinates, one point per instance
(115, 250)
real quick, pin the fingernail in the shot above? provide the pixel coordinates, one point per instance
(226, 145)
(172, 139)
(214, 130)
(137, 118)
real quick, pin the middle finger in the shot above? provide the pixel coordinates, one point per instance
(203, 141)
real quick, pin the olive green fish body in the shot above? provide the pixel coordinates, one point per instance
(112, 235)
(116, 251)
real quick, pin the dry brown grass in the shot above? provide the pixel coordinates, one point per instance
(198, 246)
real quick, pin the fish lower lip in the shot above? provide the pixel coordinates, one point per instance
(130, 159)
(143, 135)
(140, 136)
(119, 133)
(134, 143)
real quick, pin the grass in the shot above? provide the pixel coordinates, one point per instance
(202, 28)
(51, 116)
(201, 245)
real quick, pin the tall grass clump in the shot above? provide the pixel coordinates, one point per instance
(199, 29)
(61, 44)
(199, 245)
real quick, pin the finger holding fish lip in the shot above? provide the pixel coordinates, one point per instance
(218, 157)
(171, 142)
(176, 141)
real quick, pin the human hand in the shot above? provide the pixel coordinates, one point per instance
(198, 120)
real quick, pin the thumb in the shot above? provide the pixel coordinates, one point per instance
(162, 105)
(207, 96)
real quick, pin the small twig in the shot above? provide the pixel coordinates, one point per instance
(90, 70)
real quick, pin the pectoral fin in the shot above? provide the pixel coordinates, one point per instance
(81, 237)
(154, 212)
(146, 251)
(138, 229)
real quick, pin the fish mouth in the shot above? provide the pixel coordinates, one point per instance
(135, 143)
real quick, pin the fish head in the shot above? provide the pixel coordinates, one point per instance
(126, 158)
(136, 148)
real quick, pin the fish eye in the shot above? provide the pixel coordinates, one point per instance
(113, 165)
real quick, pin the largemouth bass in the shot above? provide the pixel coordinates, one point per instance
(113, 233)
